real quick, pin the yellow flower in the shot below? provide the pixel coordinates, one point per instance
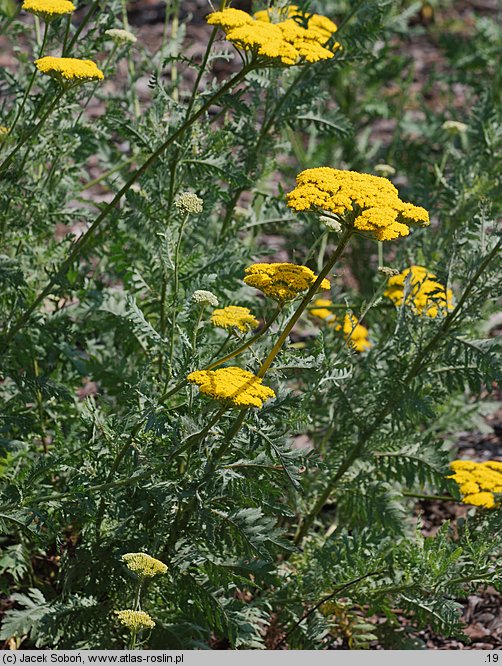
(48, 10)
(4, 133)
(321, 310)
(469, 488)
(285, 41)
(282, 282)
(144, 565)
(354, 333)
(69, 69)
(234, 385)
(461, 465)
(369, 204)
(478, 481)
(426, 296)
(485, 500)
(234, 316)
(135, 620)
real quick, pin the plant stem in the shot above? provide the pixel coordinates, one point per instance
(422, 496)
(95, 87)
(228, 357)
(32, 80)
(175, 293)
(108, 173)
(66, 32)
(420, 363)
(118, 459)
(344, 239)
(334, 594)
(137, 599)
(85, 21)
(265, 129)
(84, 240)
(33, 132)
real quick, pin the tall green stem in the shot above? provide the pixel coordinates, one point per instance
(84, 22)
(32, 80)
(176, 287)
(6, 163)
(344, 239)
(419, 364)
(84, 240)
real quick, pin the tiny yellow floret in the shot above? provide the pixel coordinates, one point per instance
(135, 620)
(234, 316)
(424, 294)
(48, 10)
(368, 204)
(282, 282)
(144, 565)
(233, 385)
(69, 69)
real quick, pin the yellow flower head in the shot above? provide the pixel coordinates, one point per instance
(135, 620)
(356, 335)
(292, 39)
(485, 500)
(234, 385)
(144, 565)
(367, 203)
(478, 481)
(282, 282)
(69, 69)
(48, 10)
(426, 296)
(4, 133)
(234, 316)
(322, 310)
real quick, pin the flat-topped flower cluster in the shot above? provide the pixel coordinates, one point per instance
(424, 294)
(356, 335)
(69, 69)
(478, 481)
(144, 565)
(288, 37)
(233, 385)
(369, 204)
(283, 281)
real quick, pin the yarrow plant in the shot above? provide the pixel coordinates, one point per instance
(284, 41)
(232, 386)
(234, 316)
(144, 565)
(282, 282)
(417, 287)
(48, 10)
(368, 204)
(69, 69)
(228, 419)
